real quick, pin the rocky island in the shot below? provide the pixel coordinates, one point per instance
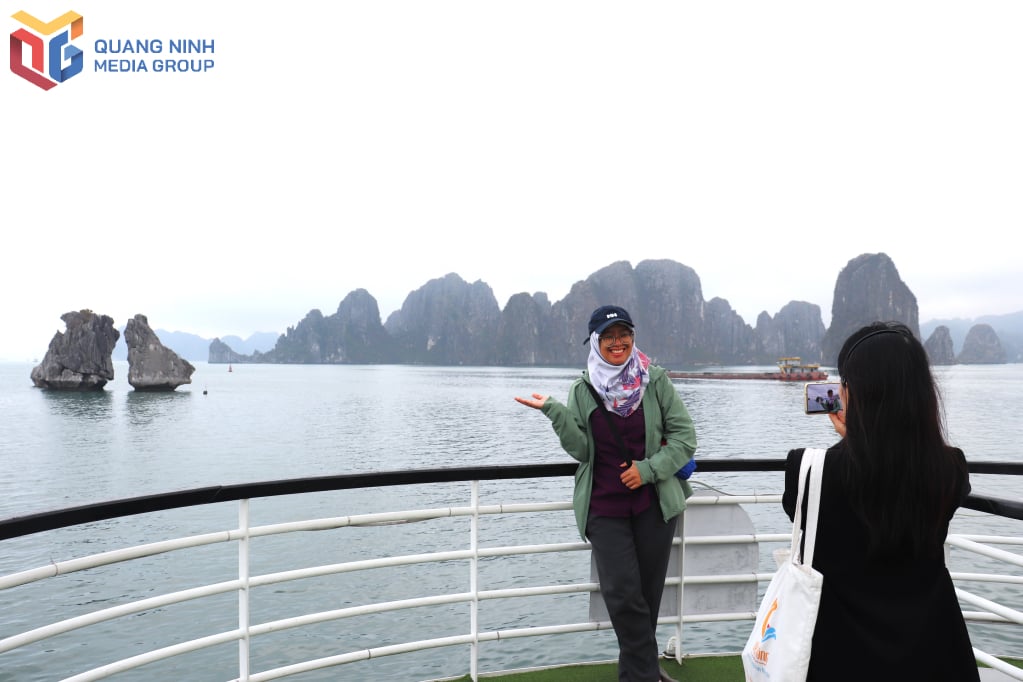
(80, 358)
(151, 365)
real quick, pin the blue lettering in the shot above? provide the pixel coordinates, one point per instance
(128, 46)
(121, 65)
(182, 65)
(191, 46)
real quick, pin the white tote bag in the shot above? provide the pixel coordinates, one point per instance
(778, 648)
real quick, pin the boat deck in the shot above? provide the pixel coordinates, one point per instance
(724, 668)
(484, 627)
(702, 668)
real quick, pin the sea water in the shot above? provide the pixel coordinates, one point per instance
(250, 423)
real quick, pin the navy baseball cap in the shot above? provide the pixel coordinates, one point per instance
(607, 315)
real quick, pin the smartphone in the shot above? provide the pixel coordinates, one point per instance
(821, 397)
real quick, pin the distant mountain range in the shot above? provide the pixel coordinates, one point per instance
(1009, 328)
(449, 321)
(195, 348)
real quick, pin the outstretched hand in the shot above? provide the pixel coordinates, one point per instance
(537, 402)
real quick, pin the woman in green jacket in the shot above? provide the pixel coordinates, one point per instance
(628, 428)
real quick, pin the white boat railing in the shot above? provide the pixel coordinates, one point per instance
(247, 633)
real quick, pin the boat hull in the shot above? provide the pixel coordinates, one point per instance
(765, 376)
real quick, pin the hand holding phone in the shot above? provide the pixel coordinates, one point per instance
(822, 397)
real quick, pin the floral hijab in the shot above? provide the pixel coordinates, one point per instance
(621, 386)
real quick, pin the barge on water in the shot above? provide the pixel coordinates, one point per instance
(789, 369)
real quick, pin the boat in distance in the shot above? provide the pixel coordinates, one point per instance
(789, 369)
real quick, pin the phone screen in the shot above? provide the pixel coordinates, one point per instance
(821, 397)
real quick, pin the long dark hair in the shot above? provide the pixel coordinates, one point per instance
(904, 479)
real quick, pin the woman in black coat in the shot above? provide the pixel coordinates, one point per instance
(888, 609)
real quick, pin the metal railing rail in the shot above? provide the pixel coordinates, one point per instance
(73, 516)
(245, 582)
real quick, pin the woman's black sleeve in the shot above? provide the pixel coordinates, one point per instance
(788, 498)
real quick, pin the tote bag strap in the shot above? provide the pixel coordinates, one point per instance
(812, 466)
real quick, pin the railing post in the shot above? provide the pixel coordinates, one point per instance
(243, 591)
(681, 584)
(474, 523)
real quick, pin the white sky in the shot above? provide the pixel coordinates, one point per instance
(380, 144)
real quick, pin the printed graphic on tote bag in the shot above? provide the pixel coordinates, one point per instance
(767, 633)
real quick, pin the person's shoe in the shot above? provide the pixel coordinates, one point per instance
(663, 676)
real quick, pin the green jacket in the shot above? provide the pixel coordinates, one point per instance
(666, 418)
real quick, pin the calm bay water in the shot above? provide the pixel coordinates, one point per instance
(265, 422)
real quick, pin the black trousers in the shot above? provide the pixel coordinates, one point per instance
(632, 555)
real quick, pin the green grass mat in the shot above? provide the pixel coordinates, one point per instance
(702, 668)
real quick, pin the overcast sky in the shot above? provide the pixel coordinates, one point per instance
(380, 145)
